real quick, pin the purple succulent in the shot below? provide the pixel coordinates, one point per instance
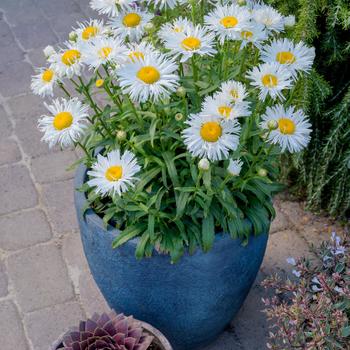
(107, 332)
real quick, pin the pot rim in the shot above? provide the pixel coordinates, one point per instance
(160, 338)
(96, 220)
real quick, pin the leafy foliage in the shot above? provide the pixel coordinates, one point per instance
(323, 170)
(313, 311)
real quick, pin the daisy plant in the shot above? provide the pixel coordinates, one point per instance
(182, 109)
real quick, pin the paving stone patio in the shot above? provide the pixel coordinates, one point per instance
(45, 284)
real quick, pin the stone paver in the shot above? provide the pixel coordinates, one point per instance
(58, 197)
(9, 151)
(46, 325)
(16, 188)
(12, 334)
(45, 282)
(40, 277)
(23, 230)
(15, 78)
(5, 124)
(3, 280)
(50, 168)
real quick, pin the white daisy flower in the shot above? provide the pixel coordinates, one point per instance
(49, 51)
(110, 8)
(293, 132)
(234, 90)
(211, 137)
(163, 3)
(296, 57)
(269, 17)
(193, 40)
(89, 30)
(234, 167)
(271, 79)
(113, 174)
(177, 26)
(253, 33)
(227, 21)
(43, 82)
(67, 62)
(66, 123)
(131, 24)
(104, 50)
(153, 77)
(139, 51)
(224, 107)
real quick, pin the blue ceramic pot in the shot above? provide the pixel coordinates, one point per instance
(191, 301)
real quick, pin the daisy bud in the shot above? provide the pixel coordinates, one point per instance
(242, 2)
(204, 164)
(181, 91)
(289, 21)
(73, 36)
(272, 124)
(262, 172)
(149, 27)
(234, 168)
(179, 116)
(121, 135)
(49, 51)
(99, 83)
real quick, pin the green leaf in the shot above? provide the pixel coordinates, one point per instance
(129, 233)
(140, 249)
(345, 332)
(181, 202)
(169, 162)
(147, 177)
(150, 228)
(208, 232)
(152, 129)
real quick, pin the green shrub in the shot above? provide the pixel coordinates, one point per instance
(323, 174)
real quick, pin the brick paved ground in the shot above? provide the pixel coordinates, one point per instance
(45, 284)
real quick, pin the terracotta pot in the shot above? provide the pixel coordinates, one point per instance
(159, 338)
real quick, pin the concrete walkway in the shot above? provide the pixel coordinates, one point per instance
(45, 284)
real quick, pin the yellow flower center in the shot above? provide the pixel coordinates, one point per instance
(211, 131)
(62, 120)
(114, 173)
(131, 20)
(285, 57)
(70, 57)
(191, 43)
(234, 93)
(89, 32)
(47, 75)
(104, 52)
(148, 74)
(225, 111)
(269, 80)
(286, 126)
(136, 55)
(246, 34)
(99, 82)
(229, 21)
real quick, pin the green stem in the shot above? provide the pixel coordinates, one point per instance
(243, 59)
(97, 110)
(195, 79)
(64, 89)
(85, 151)
(138, 117)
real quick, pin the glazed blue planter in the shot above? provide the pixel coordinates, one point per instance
(192, 301)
